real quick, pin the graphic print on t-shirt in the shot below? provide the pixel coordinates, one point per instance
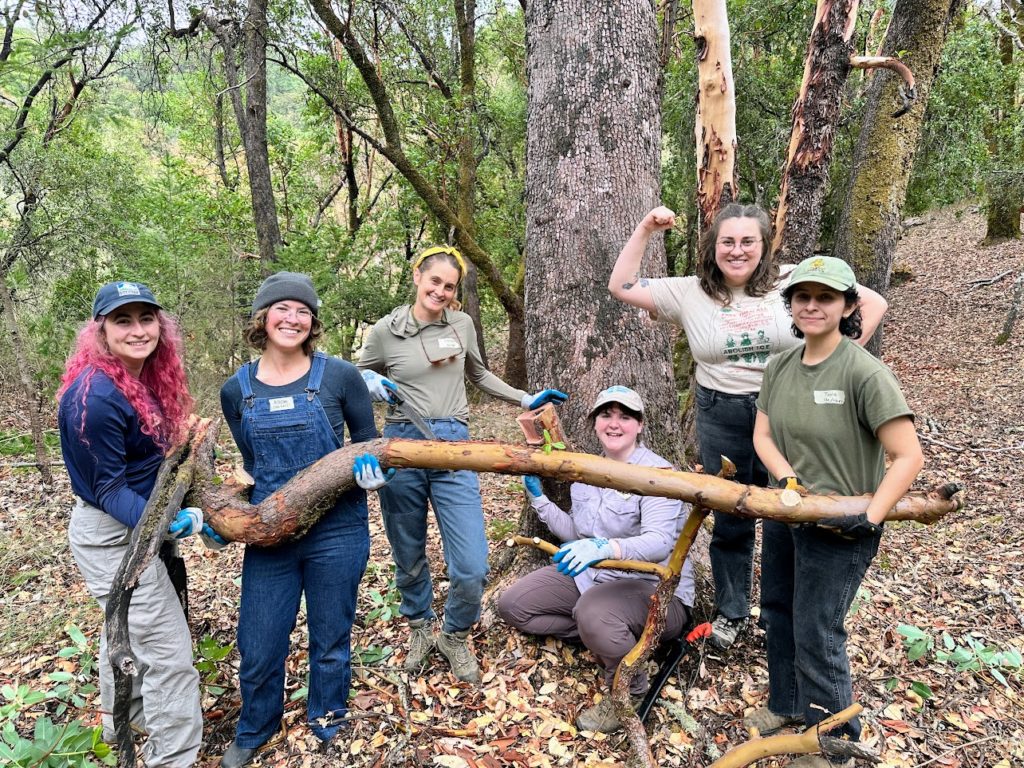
(746, 329)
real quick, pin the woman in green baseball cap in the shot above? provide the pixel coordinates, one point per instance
(829, 412)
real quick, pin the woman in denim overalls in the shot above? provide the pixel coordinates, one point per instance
(286, 410)
(427, 350)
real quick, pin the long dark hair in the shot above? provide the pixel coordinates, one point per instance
(712, 281)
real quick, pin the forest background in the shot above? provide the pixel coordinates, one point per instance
(132, 147)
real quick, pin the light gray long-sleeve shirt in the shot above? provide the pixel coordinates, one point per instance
(642, 527)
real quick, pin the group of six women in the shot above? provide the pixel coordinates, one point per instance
(824, 411)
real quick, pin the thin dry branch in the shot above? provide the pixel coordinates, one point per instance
(909, 90)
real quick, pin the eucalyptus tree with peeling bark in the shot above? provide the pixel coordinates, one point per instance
(815, 118)
(715, 120)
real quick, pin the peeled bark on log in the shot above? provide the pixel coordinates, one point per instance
(785, 744)
(294, 507)
(173, 483)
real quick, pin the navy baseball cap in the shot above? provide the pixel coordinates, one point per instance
(114, 295)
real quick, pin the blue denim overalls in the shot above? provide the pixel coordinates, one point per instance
(287, 433)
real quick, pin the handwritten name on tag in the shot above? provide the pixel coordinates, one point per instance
(448, 343)
(281, 404)
(829, 397)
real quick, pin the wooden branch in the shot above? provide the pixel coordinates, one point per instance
(1011, 315)
(548, 548)
(908, 93)
(294, 507)
(174, 481)
(784, 744)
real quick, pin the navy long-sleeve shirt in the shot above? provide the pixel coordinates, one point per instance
(112, 464)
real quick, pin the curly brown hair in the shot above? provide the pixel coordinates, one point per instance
(712, 281)
(255, 334)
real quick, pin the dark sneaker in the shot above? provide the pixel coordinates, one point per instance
(766, 721)
(422, 641)
(600, 717)
(454, 647)
(724, 631)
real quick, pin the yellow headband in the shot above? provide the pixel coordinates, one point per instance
(446, 249)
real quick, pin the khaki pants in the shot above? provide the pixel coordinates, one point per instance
(165, 692)
(608, 618)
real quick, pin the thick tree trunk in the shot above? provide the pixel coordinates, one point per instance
(815, 117)
(715, 121)
(870, 223)
(593, 163)
(1005, 192)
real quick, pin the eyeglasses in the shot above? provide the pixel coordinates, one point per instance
(441, 354)
(747, 243)
(300, 313)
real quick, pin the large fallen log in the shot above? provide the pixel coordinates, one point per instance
(293, 508)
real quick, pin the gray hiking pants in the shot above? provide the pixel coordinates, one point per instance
(165, 693)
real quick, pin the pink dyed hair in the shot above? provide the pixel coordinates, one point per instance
(160, 396)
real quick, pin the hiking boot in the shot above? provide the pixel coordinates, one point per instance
(724, 631)
(600, 717)
(421, 643)
(818, 761)
(453, 646)
(237, 756)
(768, 722)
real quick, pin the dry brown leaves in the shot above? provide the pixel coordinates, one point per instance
(963, 577)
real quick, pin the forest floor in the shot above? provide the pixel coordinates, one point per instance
(955, 588)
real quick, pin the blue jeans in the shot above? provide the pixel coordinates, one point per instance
(455, 499)
(809, 578)
(326, 564)
(725, 427)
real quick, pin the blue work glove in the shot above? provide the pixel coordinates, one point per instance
(575, 557)
(382, 390)
(212, 539)
(369, 476)
(532, 485)
(186, 522)
(529, 402)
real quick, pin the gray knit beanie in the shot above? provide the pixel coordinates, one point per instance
(287, 286)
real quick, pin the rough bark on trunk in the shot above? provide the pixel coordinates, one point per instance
(593, 170)
(715, 120)
(870, 222)
(1005, 192)
(815, 117)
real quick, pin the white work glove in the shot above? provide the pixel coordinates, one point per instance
(186, 522)
(382, 390)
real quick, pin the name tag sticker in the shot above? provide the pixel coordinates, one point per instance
(829, 397)
(449, 343)
(281, 404)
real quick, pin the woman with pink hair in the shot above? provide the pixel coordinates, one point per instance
(124, 404)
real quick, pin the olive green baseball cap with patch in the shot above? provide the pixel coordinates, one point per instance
(827, 270)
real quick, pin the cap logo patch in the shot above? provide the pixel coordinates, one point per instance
(128, 289)
(818, 264)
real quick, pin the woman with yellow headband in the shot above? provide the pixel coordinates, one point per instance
(426, 350)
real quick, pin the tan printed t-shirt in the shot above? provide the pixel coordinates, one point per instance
(730, 344)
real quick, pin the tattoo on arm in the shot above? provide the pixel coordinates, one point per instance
(644, 282)
(629, 284)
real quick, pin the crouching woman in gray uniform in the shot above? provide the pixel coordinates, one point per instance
(604, 609)
(124, 404)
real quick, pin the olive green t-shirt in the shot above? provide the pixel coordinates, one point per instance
(431, 362)
(824, 418)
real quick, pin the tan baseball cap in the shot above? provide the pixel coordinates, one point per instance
(621, 395)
